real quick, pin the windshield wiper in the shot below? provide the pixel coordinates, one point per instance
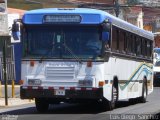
(49, 50)
(71, 52)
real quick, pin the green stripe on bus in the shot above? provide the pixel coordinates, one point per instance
(122, 87)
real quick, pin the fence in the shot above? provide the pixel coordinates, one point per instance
(10, 62)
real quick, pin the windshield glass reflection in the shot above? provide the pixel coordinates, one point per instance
(63, 42)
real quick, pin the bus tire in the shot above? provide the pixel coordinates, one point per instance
(143, 98)
(110, 105)
(113, 101)
(41, 105)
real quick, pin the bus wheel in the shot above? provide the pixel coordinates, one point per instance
(143, 98)
(114, 97)
(110, 105)
(41, 105)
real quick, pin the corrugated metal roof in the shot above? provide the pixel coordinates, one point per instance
(17, 11)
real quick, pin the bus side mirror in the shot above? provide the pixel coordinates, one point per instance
(16, 32)
(105, 36)
(106, 28)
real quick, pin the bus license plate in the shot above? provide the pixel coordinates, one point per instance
(60, 92)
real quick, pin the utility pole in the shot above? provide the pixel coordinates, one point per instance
(5, 72)
(117, 6)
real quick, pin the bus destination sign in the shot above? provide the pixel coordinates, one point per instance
(62, 19)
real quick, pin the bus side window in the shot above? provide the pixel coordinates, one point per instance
(144, 47)
(138, 43)
(151, 48)
(135, 43)
(125, 42)
(129, 37)
(121, 41)
(148, 49)
(114, 38)
(141, 46)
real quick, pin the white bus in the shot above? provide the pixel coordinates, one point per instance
(83, 55)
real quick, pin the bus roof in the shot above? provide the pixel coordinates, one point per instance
(89, 16)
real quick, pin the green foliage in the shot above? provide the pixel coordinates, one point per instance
(132, 2)
(23, 4)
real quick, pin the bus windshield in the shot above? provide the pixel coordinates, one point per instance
(62, 42)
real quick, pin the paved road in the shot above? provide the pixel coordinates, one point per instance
(124, 110)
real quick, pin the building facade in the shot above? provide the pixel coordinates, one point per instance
(133, 15)
(3, 18)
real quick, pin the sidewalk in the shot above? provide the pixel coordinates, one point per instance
(9, 91)
(14, 102)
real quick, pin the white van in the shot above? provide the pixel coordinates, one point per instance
(156, 56)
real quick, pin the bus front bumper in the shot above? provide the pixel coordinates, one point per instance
(30, 92)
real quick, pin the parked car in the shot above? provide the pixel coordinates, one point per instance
(156, 71)
(156, 57)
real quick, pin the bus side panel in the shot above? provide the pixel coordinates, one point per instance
(130, 74)
(107, 91)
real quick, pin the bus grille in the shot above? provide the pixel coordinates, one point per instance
(60, 73)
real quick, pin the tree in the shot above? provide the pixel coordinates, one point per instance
(132, 2)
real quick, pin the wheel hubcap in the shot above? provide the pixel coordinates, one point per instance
(114, 94)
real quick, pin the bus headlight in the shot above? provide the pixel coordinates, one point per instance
(34, 82)
(85, 83)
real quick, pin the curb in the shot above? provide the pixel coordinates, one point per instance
(17, 86)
